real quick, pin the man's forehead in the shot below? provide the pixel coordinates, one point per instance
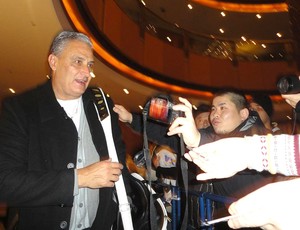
(221, 100)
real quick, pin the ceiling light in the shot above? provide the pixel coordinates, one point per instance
(107, 95)
(12, 90)
(279, 35)
(253, 42)
(92, 74)
(244, 39)
(264, 46)
(169, 39)
(143, 2)
(271, 55)
(141, 107)
(223, 14)
(288, 117)
(190, 6)
(221, 30)
(195, 107)
(126, 91)
(258, 16)
(47, 76)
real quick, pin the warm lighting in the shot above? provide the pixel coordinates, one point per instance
(279, 35)
(141, 107)
(195, 107)
(190, 6)
(72, 11)
(12, 90)
(223, 14)
(243, 38)
(253, 42)
(143, 2)
(92, 74)
(249, 8)
(169, 39)
(107, 95)
(258, 16)
(126, 91)
(221, 30)
(264, 46)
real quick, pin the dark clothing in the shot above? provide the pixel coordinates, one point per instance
(38, 154)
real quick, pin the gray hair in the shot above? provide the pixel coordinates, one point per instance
(63, 38)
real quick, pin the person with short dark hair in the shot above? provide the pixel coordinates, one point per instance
(201, 116)
(263, 105)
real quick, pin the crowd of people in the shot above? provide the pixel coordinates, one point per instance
(56, 167)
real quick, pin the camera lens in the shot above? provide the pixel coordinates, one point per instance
(289, 84)
(283, 85)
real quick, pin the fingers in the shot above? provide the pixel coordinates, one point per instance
(124, 115)
(100, 174)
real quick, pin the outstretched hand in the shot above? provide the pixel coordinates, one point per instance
(220, 159)
(124, 115)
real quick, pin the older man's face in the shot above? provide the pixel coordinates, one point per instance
(71, 70)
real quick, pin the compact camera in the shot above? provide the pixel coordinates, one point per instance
(289, 84)
(160, 109)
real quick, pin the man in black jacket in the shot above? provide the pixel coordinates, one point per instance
(54, 162)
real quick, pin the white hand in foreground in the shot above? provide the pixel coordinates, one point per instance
(220, 159)
(271, 207)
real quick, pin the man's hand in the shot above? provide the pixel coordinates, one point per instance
(124, 115)
(185, 125)
(99, 175)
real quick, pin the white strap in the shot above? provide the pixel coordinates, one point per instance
(124, 205)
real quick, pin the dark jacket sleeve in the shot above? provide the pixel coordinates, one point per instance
(26, 175)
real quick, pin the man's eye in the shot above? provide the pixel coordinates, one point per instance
(78, 62)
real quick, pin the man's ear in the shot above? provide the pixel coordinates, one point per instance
(244, 113)
(52, 60)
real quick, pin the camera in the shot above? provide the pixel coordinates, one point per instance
(160, 109)
(289, 84)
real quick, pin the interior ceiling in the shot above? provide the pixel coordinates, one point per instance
(28, 28)
(247, 25)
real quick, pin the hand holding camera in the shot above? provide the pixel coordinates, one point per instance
(185, 125)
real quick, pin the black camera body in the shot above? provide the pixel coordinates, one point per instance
(160, 109)
(289, 84)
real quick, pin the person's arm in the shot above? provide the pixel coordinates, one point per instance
(276, 154)
(156, 132)
(270, 207)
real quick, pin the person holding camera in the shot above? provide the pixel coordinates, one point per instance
(281, 155)
(229, 117)
(277, 154)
